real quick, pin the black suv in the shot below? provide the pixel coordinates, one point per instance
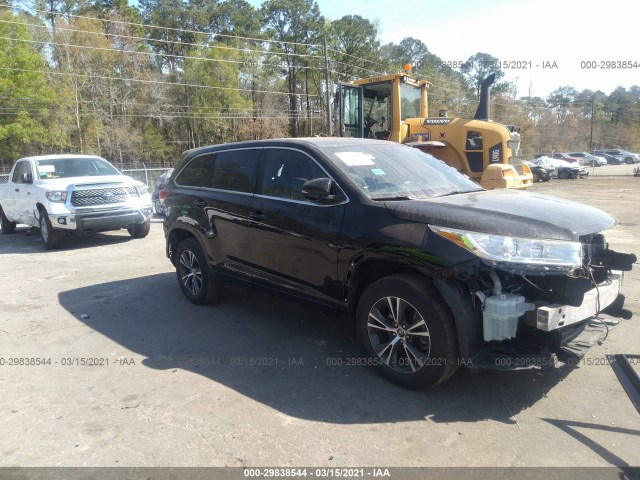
(434, 271)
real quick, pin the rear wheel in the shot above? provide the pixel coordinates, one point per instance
(536, 177)
(196, 279)
(139, 230)
(7, 226)
(52, 238)
(408, 331)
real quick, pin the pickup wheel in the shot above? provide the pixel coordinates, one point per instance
(52, 239)
(7, 226)
(139, 230)
(408, 331)
(195, 276)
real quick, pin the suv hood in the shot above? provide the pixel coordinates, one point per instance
(63, 183)
(507, 212)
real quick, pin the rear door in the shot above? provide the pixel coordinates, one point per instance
(294, 241)
(219, 187)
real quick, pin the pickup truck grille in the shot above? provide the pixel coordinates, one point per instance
(102, 196)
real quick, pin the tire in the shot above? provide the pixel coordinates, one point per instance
(7, 225)
(139, 230)
(536, 177)
(593, 163)
(564, 174)
(195, 276)
(407, 331)
(628, 160)
(51, 237)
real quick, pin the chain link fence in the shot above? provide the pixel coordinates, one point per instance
(147, 175)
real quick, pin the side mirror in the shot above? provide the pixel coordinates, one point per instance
(318, 190)
(27, 178)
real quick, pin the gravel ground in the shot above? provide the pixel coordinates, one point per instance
(250, 381)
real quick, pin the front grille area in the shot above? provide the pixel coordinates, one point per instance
(102, 196)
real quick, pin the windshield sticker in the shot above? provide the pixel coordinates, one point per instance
(377, 171)
(356, 159)
(46, 168)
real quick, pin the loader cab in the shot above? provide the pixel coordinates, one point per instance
(378, 107)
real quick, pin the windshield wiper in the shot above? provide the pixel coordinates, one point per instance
(458, 192)
(397, 197)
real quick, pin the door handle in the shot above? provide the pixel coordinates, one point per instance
(17, 189)
(200, 202)
(257, 215)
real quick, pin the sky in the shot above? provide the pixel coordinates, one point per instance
(579, 36)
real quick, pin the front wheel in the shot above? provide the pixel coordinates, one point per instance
(139, 230)
(195, 276)
(408, 331)
(51, 237)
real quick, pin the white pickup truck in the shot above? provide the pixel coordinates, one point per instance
(64, 194)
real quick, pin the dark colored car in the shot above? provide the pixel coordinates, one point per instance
(158, 203)
(434, 271)
(540, 173)
(620, 156)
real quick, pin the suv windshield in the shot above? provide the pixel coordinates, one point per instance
(384, 171)
(74, 167)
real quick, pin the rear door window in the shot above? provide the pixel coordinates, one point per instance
(235, 170)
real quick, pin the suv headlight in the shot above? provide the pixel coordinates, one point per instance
(58, 196)
(516, 250)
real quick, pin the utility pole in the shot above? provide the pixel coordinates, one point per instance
(327, 89)
(591, 135)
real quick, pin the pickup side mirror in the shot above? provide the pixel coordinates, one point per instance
(318, 190)
(27, 178)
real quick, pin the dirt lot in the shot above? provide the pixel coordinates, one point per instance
(249, 381)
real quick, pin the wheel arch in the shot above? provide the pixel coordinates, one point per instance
(367, 270)
(454, 294)
(175, 236)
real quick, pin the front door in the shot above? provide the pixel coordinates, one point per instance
(294, 241)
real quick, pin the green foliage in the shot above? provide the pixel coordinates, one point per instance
(27, 99)
(145, 83)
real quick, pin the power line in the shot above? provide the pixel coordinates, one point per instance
(155, 82)
(133, 37)
(147, 25)
(150, 54)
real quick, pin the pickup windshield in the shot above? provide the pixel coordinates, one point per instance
(74, 167)
(390, 171)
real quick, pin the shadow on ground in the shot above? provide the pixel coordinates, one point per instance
(28, 241)
(290, 357)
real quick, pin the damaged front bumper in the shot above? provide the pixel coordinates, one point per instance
(553, 335)
(554, 316)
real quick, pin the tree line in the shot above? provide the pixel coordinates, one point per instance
(142, 84)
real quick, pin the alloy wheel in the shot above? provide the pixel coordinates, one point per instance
(399, 335)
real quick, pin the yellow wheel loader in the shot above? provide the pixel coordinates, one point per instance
(395, 107)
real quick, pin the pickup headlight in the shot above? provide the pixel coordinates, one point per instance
(515, 250)
(59, 196)
(142, 189)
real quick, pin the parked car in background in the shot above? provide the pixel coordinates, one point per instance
(561, 168)
(611, 159)
(561, 156)
(158, 203)
(589, 159)
(66, 194)
(434, 271)
(540, 173)
(621, 155)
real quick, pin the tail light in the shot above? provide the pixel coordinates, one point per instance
(163, 194)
